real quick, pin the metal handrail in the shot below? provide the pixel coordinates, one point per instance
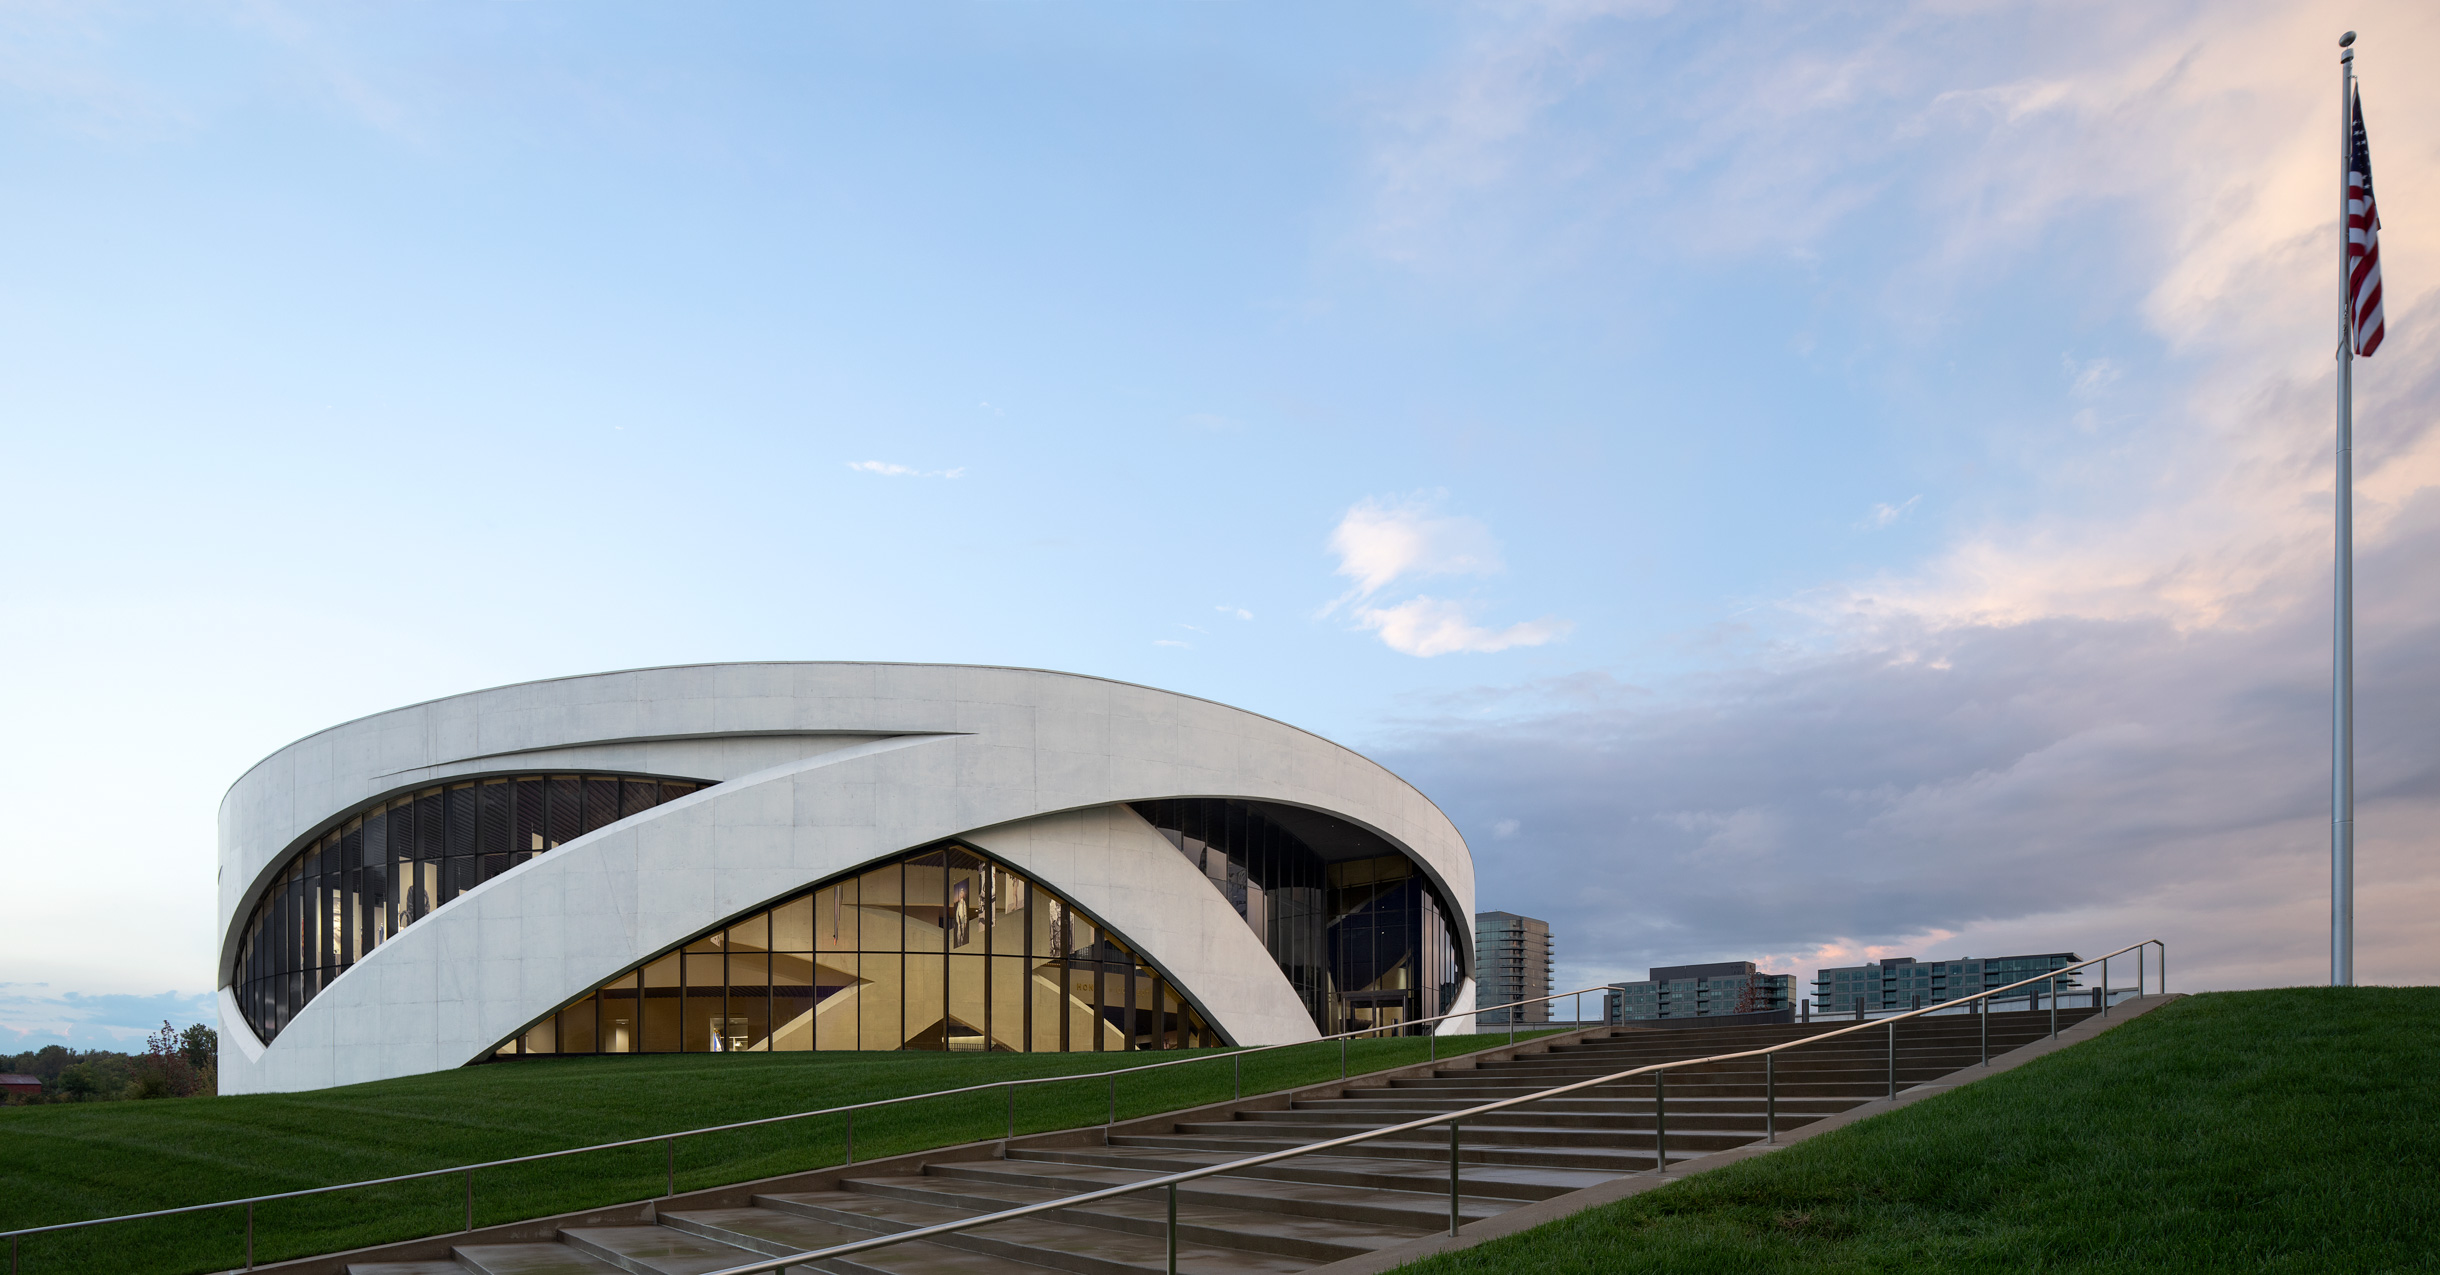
(1237, 1055)
(1452, 1119)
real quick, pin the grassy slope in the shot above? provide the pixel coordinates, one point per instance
(62, 1163)
(2290, 1130)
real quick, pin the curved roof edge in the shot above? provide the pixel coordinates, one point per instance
(658, 668)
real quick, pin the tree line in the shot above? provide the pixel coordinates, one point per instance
(174, 1064)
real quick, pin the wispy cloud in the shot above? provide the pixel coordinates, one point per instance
(888, 470)
(1428, 626)
(2088, 377)
(1883, 514)
(1240, 612)
(1381, 541)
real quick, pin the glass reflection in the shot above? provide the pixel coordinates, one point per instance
(390, 865)
(1358, 931)
(940, 950)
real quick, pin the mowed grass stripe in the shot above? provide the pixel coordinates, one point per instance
(64, 1163)
(2288, 1130)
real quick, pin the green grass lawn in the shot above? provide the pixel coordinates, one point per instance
(63, 1163)
(2289, 1130)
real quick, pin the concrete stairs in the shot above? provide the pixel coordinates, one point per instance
(1297, 1214)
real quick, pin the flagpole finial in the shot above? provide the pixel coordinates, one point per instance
(2347, 39)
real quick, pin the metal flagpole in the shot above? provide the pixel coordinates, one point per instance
(2342, 635)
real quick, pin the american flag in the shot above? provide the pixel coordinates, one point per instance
(2363, 240)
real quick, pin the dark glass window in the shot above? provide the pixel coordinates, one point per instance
(1361, 935)
(389, 865)
(943, 949)
(601, 802)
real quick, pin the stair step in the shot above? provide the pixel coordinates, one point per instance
(774, 1233)
(1641, 1087)
(1386, 1112)
(1614, 1161)
(527, 1259)
(1200, 1220)
(1271, 1195)
(1340, 1123)
(1509, 1182)
(1085, 1250)
(1479, 1132)
(653, 1250)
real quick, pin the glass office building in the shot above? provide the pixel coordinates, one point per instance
(1699, 991)
(1902, 982)
(1514, 954)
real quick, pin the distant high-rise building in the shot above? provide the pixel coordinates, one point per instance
(1902, 982)
(1512, 959)
(1691, 991)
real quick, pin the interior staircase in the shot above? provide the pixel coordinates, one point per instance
(1301, 1213)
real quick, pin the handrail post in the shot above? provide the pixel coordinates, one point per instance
(1173, 1228)
(1342, 1058)
(2164, 969)
(249, 1235)
(1114, 1098)
(673, 1165)
(1012, 1111)
(1982, 1010)
(1770, 1097)
(2054, 1007)
(1452, 1177)
(1660, 1122)
(469, 1199)
(1238, 1065)
(1893, 1058)
(2105, 984)
(851, 1135)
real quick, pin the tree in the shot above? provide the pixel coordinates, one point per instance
(78, 1081)
(163, 1071)
(200, 1046)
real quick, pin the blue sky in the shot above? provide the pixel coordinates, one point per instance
(1792, 481)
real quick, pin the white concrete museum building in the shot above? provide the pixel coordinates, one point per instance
(813, 856)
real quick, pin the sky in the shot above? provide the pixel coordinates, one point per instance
(1795, 482)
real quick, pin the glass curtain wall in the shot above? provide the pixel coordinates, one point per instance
(941, 950)
(1364, 940)
(388, 866)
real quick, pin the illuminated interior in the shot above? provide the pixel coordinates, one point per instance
(941, 949)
